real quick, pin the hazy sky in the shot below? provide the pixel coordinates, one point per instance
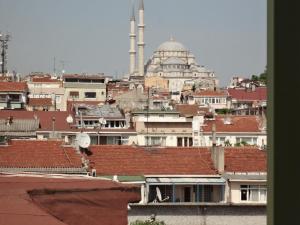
(226, 36)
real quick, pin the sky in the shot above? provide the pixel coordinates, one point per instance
(228, 37)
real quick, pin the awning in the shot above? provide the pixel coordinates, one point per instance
(185, 181)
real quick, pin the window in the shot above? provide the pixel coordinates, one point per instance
(14, 98)
(161, 141)
(90, 94)
(257, 193)
(74, 94)
(248, 140)
(2, 97)
(179, 141)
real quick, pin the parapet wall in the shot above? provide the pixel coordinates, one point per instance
(200, 214)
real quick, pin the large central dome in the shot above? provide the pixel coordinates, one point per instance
(171, 45)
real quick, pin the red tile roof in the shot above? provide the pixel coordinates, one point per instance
(39, 102)
(38, 154)
(210, 93)
(245, 159)
(128, 160)
(76, 201)
(241, 94)
(13, 86)
(45, 118)
(45, 80)
(190, 110)
(238, 124)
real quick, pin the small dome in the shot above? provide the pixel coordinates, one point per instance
(171, 45)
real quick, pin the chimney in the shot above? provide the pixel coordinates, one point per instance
(217, 153)
(214, 144)
(253, 87)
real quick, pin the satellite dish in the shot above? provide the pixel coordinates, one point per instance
(83, 140)
(158, 193)
(159, 196)
(102, 121)
(69, 119)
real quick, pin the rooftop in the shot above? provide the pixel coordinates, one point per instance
(43, 116)
(245, 159)
(29, 200)
(39, 102)
(13, 86)
(234, 124)
(38, 154)
(129, 160)
(242, 94)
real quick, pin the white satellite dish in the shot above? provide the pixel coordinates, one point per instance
(83, 140)
(102, 121)
(69, 119)
(158, 197)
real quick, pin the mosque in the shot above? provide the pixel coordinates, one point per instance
(171, 61)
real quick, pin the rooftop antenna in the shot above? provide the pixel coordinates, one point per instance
(54, 66)
(3, 42)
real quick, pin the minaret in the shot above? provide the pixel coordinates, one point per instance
(141, 44)
(132, 35)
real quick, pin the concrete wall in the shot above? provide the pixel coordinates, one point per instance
(200, 214)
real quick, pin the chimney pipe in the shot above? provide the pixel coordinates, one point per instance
(214, 143)
(217, 153)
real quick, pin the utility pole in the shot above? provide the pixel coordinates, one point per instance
(3, 42)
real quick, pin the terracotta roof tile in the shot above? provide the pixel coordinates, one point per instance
(45, 118)
(75, 201)
(238, 124)
(45, 80)
(13, 86)
(38, 154)
(245, 159)
(260, 94)
(128, 160)
(39, 102)
(190, 110)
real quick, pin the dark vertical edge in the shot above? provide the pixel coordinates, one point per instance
(284, 116)
(270, 110)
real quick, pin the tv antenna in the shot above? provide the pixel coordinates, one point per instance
(83, 140)
(3, 42)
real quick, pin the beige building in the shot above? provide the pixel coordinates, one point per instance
(43, 87)
(85, 87)
(162, 128)
(156, 82)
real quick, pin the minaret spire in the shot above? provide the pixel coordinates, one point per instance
(141, 43)
(132, 37)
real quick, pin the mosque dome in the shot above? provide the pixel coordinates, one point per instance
(171, 45)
